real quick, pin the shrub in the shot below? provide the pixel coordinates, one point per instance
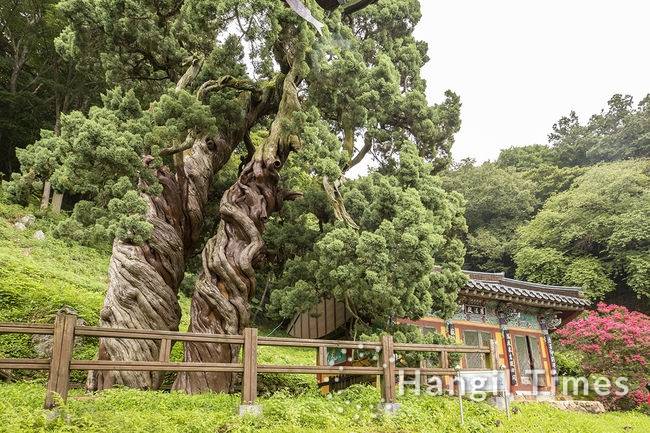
(569, 363)
(614, 342)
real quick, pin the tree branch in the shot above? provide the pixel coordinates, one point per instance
(336, 200)
(190, 74)
(367, 145)
(187, 144)
(226, 81)
(250, 151)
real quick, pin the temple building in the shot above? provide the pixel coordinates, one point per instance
(516, 316)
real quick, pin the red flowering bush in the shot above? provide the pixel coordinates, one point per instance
(614, 342)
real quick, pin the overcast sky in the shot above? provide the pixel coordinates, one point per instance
(520, 65)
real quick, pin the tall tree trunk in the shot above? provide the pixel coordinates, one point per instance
(144, 279)
(57, 202)
(45, 198)
(221, 300)
(47, 185)
(20, 57)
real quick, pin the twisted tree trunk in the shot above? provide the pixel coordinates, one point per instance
(221, 300)
(144, 279)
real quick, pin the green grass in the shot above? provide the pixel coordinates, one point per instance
(296, 383)
(37, 278)
(353, 410)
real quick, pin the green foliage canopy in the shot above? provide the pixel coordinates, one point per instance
(362, 94)
(498, 200)
(99, 157)
(596, 234)
(37, 84)
(409, 226)
(617, 133)
(576, 207)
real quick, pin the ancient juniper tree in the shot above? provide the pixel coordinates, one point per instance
(358, 80)
(313, 92)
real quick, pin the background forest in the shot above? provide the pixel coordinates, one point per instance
(573, 211)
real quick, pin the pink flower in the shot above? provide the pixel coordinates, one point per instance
(614, 342)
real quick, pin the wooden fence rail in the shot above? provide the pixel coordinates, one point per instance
(65, 330)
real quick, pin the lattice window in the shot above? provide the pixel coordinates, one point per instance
(476, 338)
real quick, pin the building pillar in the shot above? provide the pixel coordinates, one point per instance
(509, 352)
(551, 354)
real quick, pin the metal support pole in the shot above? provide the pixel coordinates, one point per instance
(506, 390)
(460, 394)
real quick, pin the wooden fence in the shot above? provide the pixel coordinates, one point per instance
(65, 330)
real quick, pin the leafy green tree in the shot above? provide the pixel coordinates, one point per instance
(404, 261)
(549, 180)
(498, 201)
(200, 79)
(524, 158)
(623, 130)
(351, 52)
(595, 234)
(537, 163)
(37, 82)
(99, 157)
(620, 132)
(541, 265)
(141, 44)
(145, 175)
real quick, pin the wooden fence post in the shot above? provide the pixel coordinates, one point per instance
(321, 356)
(444, 359)
(444, 363)
(165, 351)
(423, 377)
(388, 364)
(249, 382)
(63, 344)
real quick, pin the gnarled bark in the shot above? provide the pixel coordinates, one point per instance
(220, 303)
(144, 279)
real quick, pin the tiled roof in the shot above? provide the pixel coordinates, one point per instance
(498, 287)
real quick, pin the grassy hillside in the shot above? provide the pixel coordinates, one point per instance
(123, 410)
(38, 277)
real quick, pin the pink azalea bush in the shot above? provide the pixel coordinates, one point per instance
(614, 342)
